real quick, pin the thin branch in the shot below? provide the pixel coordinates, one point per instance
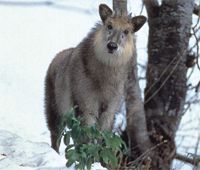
(197, 146)
(197, 87)
(194, 101)
(166, 79)
(143, 66)
(194, 161)
(161, 76)
(145, 155)
(142, 8)
(197, 60)
(190, 74)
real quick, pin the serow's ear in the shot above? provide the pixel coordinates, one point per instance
(138, 22)
(104, 12)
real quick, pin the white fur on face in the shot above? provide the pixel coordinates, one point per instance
(119, 57)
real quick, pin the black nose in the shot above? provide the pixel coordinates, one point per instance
(112, 46)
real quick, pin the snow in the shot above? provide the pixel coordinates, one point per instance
(30, 38)
(18, 153)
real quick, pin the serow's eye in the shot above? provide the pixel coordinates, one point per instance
(109, 27)
(126, 32)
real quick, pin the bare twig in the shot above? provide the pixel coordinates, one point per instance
(190, 74)
(186, 159)
(197, 42)
(145, 155)
(197, 146)
(161, 75)
(167, 77)
(197, 87)
(142, 8)
(143, 66)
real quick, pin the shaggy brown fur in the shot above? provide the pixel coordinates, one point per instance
(92, 76)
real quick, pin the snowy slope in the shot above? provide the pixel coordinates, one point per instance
(19, 154)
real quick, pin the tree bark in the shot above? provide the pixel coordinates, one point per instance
(165, 92)
(169, 33)
(120, 7)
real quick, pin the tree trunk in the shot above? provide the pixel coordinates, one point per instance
(120, 7)
(169, 33)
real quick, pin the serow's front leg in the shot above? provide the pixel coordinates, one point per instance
(89, 108)
(106, 118)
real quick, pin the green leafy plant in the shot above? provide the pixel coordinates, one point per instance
(91, 145)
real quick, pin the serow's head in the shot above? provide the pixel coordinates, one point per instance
(118, 31)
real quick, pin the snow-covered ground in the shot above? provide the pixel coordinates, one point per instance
(21, 154)
(30, 38)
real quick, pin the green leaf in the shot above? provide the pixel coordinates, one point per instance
(66, 138)
(116, 142)
(104, 156)
(69, 163)
(112, 141)
(113, 159)
(90, 145)
(108, 156)
(83, 152)
(69, 147)
(72, 155)
(76, 134)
